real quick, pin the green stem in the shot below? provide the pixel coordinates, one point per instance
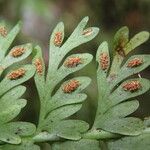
(44, 137)
(99, 134)
(41, 119)
(92, 134)
(147, 130)
(42, 113)
(43, 108)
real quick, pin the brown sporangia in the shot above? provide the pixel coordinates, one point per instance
(87, 31)
(17, 51)
(71, 86)
(3, 31)
(104, 61)
(120, 47)
(72, 62)
(58, 37)
(135, 62)
(132, 86)
(16, 74)
(38, 65)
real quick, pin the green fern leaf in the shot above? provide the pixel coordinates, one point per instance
(6, 41)
(10, 102)
(67, 100)
(114, 89)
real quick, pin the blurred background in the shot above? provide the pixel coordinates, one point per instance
(39, 17)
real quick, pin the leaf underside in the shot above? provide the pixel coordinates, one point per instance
(116, 91)
(57, 104)
(60, 98)
(11, 91)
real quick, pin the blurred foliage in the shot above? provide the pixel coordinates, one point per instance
(40, 16)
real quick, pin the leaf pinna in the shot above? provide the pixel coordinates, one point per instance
(11, 103)
(118, 82)
(55, 107)
(115, 89)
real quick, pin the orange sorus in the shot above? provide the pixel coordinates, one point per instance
(71, 86)
(72, 62)
(134, 62)
(17, 51)
(87, 31)
(131, 86)
(3, 31)
(104, 61)
(16, 74)
(38, 65)
(58, 38)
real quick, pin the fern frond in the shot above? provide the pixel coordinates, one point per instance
(114, 87)
(67, 100)
(11, 91)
